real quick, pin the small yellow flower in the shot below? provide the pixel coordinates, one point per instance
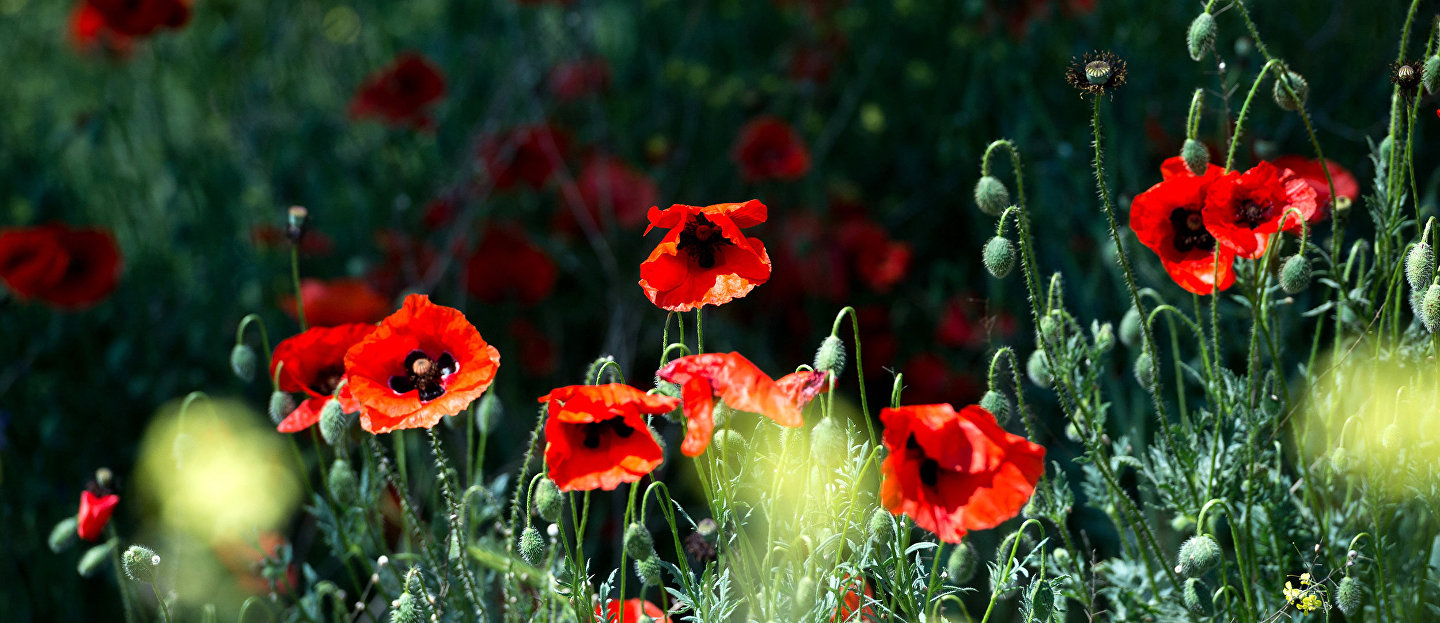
(1304, 599)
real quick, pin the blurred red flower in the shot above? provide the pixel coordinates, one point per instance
(608, 187)
(407, 262)
(572, 80)
(630, 612)
(595, 437)
(421, 364)
(851, 600)
(137, 18)
(401, 93)
(95, 510)
(1242, 210)
(67, 268)
(733, 378)
(963, 323)
(953, 472)
(1168, 219)
(719, 263)
(879, 262)
(535, 350)
(507, 263)
(313, 243)
(314, 363)
(529, 154)
(769, 149)
(88, 32)
(336, 302)
(1313, 173)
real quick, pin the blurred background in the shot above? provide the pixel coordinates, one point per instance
(501, 156)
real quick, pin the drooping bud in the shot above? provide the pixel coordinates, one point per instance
(334, 423)
(882, 527)
(1196, 597)
(1430, 308)
(1145, 371)
(1041, 601)
(1037, 367)
(648, 570)
(1295, 274)
(1130, 328)
(1420, 265)
(1297, 84)
(991, 196)
(140, 564)
(1198, 554)
(1340, 459)
(827, 440)
(1201, 38)
(344, 487)
(831, 356)
(242, 362)
(1390, 438)
(548, 500)
(532, 545)
(1051, 325)
(94, 558)
(999, 256)
(1349, 596)
(638, 543)
(728, 443)
(997, 404)
(281, 404)
(804, 597)
(963, 562)
(1195, 154)
(1430, 76)
(63, 534)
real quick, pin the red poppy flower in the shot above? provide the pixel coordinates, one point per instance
(953, 472)
(732, 378)
(964, 323)
(336, 302)
(719, 263)
(421, 364)
(401, 93)
(506, 263)
(596, 437)
(137, 18)
(89, 32)
(630, 612)
(769, 149)
(1314, 174)
(578, 78)
(314, 363)
(1242, 210)
(851, 600)
(1168, 219)
(67, 268)
(529, 154)
(608, 187)
(95, 511)
(1174, 166)
(879, 261)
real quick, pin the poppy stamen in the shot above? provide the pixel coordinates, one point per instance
(327, 380)
(1190, 231)
(424, 375)
(702, 239)
(1252, 214)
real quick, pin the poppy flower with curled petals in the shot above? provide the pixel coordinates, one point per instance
(704, 259)
(401, 93)
(1313, 173)
(421, 364)
(313, 362)
(630, 612)
(336, 302)
(96, 506)
(953, 472)
(769, 149)
(1168, 219)
(733, 378)
(596, 437)
(1242, 210)
(67, 268)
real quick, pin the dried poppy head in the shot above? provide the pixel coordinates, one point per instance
(1096, 73)
(1406, 75)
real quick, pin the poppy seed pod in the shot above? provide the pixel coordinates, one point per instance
(1430, 308)
(1420, 265)
(1348, 596)
(1430, 76)
(1295, 274)
(140, 563)
(831, 356)
(997, 404)
(242, 362)
(638, 543)
(1037, 367)
(1195, 155)
(991, 196)
(882, 527)
(1301, 89)
(344, 487)
(1201, 38)
(1130, 328)
(334, 424)
(999, 256)
(548, 500)
(281, 404)
(1196, 597)
(1145, 371)
(963, 562)
(532, 545)
(1197, 555)
(648, 570)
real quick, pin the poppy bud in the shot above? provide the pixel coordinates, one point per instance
(532, 545)
(1420, 265)
(281, 404)
(548, 500)
(999, 256)
(648, 570)
(1201, 38)
(140, 563)
(1145, 371)
(1130, 328)
(831, 356)
(827, 440)
(1196, 597)
(94, 558)
(1104, 336)
(406, 609)
(1051, 325)
(1195, 154)
(1041, 602)
(1062, 556)
(344, 488)
(63, 534)
(1340, 459)
(1037, 367)
(962, 563)
(295, 219)
(882, 527)
(1283, 98)
(1348, 596)
(804, 597)
(991, 196)
(638, 542)
(1430, 308)
(334, 423)
(1430, 76)
(242, 362)
(997, 404)
(1390, 438)
(1295, 274)
(728, 443)
(1198, 554)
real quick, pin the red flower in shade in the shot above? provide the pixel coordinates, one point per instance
(732, 378)
(851, 600)
(506, 263)
(719, 264)
(578, 78)
(89, 32)
(769, 149)
(964, 323)
(607, 187)
(137, 18)
(953, 472)
(630, 612)
(879, 261)
(338, 301)
(422, 363)
(529, 154)
(67, 268)
(1168, 219)
(95, 511)
(1242, 210)
(401, 93)
(314, 363)
(595, 437)
(1314, 174)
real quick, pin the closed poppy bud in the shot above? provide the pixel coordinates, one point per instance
(1420, 265)
(343, 485)
(406, 609)
(1130, 328)
(1051, 325)
(831, 356)
(1037, 367)
(1430, 308)
(638, 543)
(1198, 554)
(94, 558)
(242, 362)
(532, 545)
(728, 443)
(1390, 437)
(1340, 459)
(63, 534)
(997, 404)
(991, 196)
(827, 440)
(1104, 336)
(334, 423)
(882, 527)
(95, 511)
(1195, 154)
(999, 256)
(1295, 274)
(1283, 97)
(1348, 596)
(1201, 38)
(140, 563)
(1430, 76)
(281, 404)
(1041, 602)
(648, 570)
(1145, 371)
(548, 500)
(963, 562)
(804, 597)
(1196, 597)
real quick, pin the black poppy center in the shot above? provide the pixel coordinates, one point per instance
(424, 375)
(1252, 213)
(327, 380)
(1190, 231)
(929, 468)
(702, 240)
(616, 426)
